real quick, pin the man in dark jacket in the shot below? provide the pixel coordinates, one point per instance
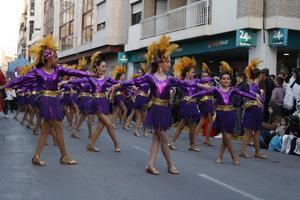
(268, 86)
(241, 83)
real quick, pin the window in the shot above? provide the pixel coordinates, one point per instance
(87, 21)
(66, 27)
(48, 17)
(136, 15)
(32, 7)
(161, 6)
(31, 29)
(101, 15)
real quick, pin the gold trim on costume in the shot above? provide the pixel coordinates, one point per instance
(99, 95)
(206, 98)
(225, 107)
(250, 103)
(35, 92)
(21, 94)
(84, 94)
(160, 102)
(143, 94)
(50, 93)
(193, 100)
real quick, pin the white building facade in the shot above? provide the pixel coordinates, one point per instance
(213, 30)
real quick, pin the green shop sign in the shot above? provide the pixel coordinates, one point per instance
(245, 38)
(122, 58)
(278, 37)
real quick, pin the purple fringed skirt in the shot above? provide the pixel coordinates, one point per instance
(50, 108)
(252, 118)
(189, 111)
(140, 102)
(159, 118)
(206, 108)
(34, 100)
(100, 105)
(68, 99)
(118, 99)
(225, 121)
(85, 104)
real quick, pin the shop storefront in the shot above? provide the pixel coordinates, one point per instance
(231, 47)
(287, 44)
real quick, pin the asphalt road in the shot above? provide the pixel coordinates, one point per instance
(120, 176)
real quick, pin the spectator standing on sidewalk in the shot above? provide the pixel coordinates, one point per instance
(268, 86)
(278, 93)
(2, 90)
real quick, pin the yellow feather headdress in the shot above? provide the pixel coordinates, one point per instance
(96, 57)
(251, 67)
(43, 49)
(134, 76)
(205, 68)
(181, 64)
(118, 70)
(160, 51)
(225, 68)
(25, 70)
(82, 64)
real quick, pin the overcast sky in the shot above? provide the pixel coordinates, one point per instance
(10, 12)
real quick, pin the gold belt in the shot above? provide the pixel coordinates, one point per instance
(206, 98)
(249, 104)
(225, 108)
(143, 94)
(160, 102)
(21, 94)
(84, 94)
(99, 95)
(50, 93)
(186, 98)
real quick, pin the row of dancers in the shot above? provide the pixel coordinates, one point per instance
(40, 87)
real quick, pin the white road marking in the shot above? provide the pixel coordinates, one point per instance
(141, 149)
(229, 187)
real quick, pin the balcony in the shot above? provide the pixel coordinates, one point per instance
(196, 14)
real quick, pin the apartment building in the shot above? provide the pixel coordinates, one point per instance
(83, 27)
(22, 41)
(215, 30)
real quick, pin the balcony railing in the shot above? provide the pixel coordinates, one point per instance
(196, 14)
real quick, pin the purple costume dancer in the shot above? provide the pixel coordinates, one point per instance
(49, 107)
(142, 97)
(35, 94)
(226, 113)
(84, 99)
(159, 115)
(206, 104)
(189, 110)
(253, 113)
(67, 99)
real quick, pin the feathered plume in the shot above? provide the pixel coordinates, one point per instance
(159, 51)
(251, 67)
(96, 57)
(24, 70)
(184, 62)
(43, 49)
(82, 63)
(118, 70)
(225, 68)
(205, 68)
